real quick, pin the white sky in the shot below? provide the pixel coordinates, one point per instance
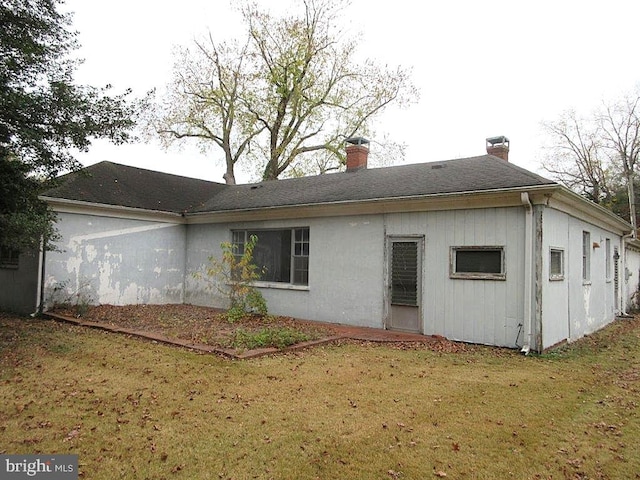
(484, 68)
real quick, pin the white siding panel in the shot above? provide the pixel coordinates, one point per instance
(630, 284)
(479, 311)
(591, 303)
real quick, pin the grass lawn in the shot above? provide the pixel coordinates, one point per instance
(139, 410)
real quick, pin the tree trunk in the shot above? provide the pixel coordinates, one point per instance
(229, 176)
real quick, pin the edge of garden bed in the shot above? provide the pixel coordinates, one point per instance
(199, 347)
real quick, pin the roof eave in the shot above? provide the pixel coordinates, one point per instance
(430, 202)
(64, 205)
(576, 205)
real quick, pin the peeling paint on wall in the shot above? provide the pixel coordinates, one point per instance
(122, 261)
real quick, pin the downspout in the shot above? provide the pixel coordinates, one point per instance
(528, 281)
(40, 284)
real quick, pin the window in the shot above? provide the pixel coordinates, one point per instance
(586, 256)
(8, 257)
(486, 263)
(556, 264)
(281, 255)
(607, 259)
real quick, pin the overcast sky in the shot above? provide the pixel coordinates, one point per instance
(484, 68)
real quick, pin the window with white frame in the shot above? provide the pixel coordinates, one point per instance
(556, 264)
(282, 255)
(586, 256)
(477, 262)
(607, 259)
(9, 257)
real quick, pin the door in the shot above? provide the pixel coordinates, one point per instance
(404, 274)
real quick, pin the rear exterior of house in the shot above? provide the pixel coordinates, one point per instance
(476, 250)
(460, 273)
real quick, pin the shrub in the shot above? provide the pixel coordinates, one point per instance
(234, 275)
(268, 337)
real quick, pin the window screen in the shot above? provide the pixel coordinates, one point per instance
(477, 262)
(556, 264)
(281, 255)
(8, 258)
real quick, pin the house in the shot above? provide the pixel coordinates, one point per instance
(474, 249)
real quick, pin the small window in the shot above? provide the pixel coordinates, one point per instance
(556, 264)
(484, 263)
(586, 256)
(9, 257)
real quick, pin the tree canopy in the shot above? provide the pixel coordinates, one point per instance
(282, 99)
(44, 116)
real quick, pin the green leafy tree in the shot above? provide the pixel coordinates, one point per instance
(284, 99)
(234, 275)
(44, 116)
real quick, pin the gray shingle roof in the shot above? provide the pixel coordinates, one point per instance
(114, 184)
(485, 172)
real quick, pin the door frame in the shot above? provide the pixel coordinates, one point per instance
(389, 240)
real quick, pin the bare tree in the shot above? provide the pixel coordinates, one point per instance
(282, 100)
(576, 156)
(598, 154)
(620, 126)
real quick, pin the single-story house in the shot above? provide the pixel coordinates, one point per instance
(473, 249)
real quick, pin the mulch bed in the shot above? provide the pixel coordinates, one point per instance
(202, 328)
(206, 329)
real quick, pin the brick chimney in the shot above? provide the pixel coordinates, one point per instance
(357, 149)
(499, 147)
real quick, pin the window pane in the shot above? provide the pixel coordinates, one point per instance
(478, 261)
(8, 258)
(280, 255)
(607, 252)
(301, 270)
(272, 254)
(556, 264)
(586, 255)
(237, 239)
(301, 256)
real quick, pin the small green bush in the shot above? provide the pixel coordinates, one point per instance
(234, 275)
(267, 338)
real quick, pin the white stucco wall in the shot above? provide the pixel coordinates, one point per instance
(116, 261)
(345, 269)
